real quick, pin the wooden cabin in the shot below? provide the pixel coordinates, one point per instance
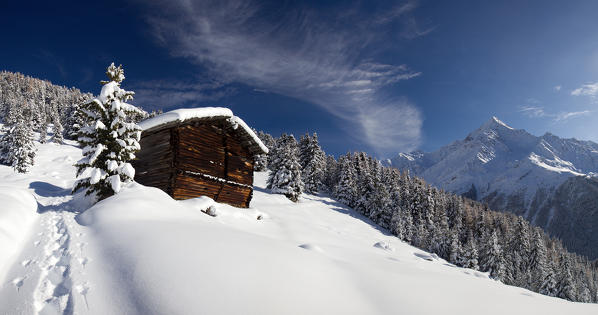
(199, 152)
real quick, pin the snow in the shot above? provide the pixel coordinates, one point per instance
(115, 183)
(180, 115)
(108, 89)
(17, 213)
(127, 170)
(498, 158)
(141, 252)
(557, 165)
(498, 121)
(95, 176)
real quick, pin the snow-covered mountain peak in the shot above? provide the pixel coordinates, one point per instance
(508, 168)
(495, 121)
(494, 130)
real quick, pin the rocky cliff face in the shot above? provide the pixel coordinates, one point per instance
(547, 179)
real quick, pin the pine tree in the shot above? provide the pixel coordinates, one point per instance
(57, 128)
(549, 285)
(470, 253)
(57, 131)
(346, 189)
(495, 262)
(18, 144)
(261, 160)
(313, 162)
(285, 175)
(566, 284)
(43, 131)
(537, 260)
(109, 139)
(331, 175)
(455, 248)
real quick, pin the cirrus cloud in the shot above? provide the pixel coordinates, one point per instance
(300, 54)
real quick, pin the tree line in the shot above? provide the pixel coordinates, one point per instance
(464, 232)
(37, 110)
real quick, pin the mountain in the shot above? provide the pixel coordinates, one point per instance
(548, 180)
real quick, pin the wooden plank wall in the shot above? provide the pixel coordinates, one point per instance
(168, 159)
(201, 150)
(154, 162)
(238, 196)
(239, 161)
(189, 186)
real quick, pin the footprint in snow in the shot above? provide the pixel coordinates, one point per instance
(385, 245)
(83, 261)
(311, 247)
(18, 282)
(26, 262)
(83, 289)
(36, 243)
(428, 257)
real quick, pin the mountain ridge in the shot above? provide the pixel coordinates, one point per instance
(512, 170)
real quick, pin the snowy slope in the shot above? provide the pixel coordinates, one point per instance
(141, 252)
(508, 168)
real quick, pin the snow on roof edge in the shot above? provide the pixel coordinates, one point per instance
(183, 114)
(252, 134)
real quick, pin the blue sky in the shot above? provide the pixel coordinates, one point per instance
(375, 76)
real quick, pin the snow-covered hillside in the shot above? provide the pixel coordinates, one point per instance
(141, 252)
(513, 170)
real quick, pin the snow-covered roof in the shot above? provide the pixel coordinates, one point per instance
(178, 116)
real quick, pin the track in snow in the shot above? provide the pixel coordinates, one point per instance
(49, 277)
(53, 293)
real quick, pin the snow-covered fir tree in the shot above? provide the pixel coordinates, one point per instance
(109, 138)
(57, 130)
(493, 257)
(18, 148)
(285, 175)
(549, 285)
(313, 163)
(346, 188)
(331, 173)
(470, 254)
(261, 160)
(43, 131)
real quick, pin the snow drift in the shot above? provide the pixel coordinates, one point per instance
(17, 213)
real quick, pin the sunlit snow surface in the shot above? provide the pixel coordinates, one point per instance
(141, 252)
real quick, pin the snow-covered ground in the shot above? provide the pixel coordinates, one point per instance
(141, 252)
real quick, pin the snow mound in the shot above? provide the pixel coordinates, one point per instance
(17, 213)
(137, 203)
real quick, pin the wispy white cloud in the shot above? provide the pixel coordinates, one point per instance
(167, 94)
(567, 115)
(533, 111)
(297, 54)
(588, 89)
(557, 88)
(539, 112)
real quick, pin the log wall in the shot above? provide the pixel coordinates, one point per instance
(154, 162)
(202, 158)
(208, 148)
